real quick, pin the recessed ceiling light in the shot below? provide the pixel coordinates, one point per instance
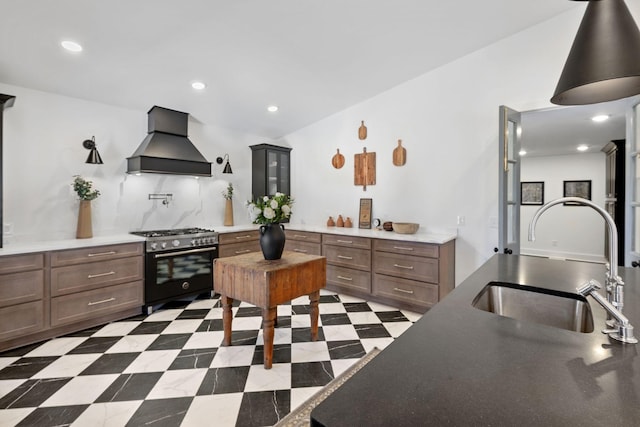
(272, 108)
(600, 118)
(522, 152)
(198, 85)
(71, 46)
(582, 147)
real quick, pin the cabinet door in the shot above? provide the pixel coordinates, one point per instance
(277, 172)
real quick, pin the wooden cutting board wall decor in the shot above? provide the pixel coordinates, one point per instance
(399, 154)
(337, 160)
(362, 131)
(364, 169)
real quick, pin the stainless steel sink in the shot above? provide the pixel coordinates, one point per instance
(530, 304)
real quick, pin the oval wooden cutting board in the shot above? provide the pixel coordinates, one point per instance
(337, 160)
(362, 131)
(399, 154)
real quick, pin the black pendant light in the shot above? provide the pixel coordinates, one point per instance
(94, 156)
(604, 61)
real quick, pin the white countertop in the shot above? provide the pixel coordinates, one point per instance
(54, 245)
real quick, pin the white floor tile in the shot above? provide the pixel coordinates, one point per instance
(133, 343)
(8, 385)
(246, 323)
(332, 308)
(411, 315)
(163, 315)
(6, 361)
(309, 352)
(340, 333)
(204, 340)
(235, 355)
(178, 383)
(301, 300)
(350, 299)
(116, 329)
(363, 317)
(216, 313)
(376, 306)
(11, 417)
(57, 346)
(185, 326)
(370, 343)
(300, 395)
(280, 336)
(284, 310)
(152, 361)
(81, 390)
(276, 378)
(110, 414)
(301, 321)
(67, 366)
(341, 365)
(223, 408)
(202, 304)
(397, 328)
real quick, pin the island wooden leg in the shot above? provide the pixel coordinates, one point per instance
(227, 317)
(268, 322)
(314, 297)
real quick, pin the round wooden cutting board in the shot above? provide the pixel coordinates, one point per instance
(337, 160)
(399, 154)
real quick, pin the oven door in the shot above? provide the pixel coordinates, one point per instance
(178, 273)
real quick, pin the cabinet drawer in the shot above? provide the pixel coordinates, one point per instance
(21, 287)
(21, 319)
(407, 266)
(303, 236)
(347, 257)
(406, 248)
(239, 237)
(96, 253)
(17, 263)
(303, 247)
(348, 241)
(75, 278)
(348, 278)
(95, 303)
(238, 248)
(405, 290)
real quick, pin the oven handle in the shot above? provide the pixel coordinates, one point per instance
(187, 252)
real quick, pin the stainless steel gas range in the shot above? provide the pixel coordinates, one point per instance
(178, 263)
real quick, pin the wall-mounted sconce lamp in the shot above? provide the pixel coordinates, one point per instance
(603, 64)
(94, 156)
(227, 167)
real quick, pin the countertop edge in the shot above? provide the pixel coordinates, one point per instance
(53, 245)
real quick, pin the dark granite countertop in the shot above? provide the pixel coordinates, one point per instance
(462, 366)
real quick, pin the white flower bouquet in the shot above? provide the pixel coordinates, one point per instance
(270, 210)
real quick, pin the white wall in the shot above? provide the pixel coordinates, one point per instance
(43, 136)
(448, 122)
(578, 231)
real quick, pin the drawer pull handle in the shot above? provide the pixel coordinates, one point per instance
(102, 253)
(403, 290)
(345, 241)
(102, 302)
(299, 236)
(248, 236)
(345, 278)
(246, 251)
(304, 251)
(402, 248)
(93, 276)
(345, 257)
(406, 267)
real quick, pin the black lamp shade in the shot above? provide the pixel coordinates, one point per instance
(94, 157)
(604, 61)
(227, 168)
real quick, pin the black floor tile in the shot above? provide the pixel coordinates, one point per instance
(130, 387)
(224, 380)
(194, 359)
(283, 322)
(329, 298)
(149, 328)
(209, 325)
(112, 363)
(53, 416)
(161, 412)
(95, 345)
(244, 337)
(169, 342)
(391, 316)
(352, 307)
(176, 304)
(281, 354)
(32, 393)
(304, 334)
(193, 314)
(85, 332)
(351, 349)
(335, 319)
(249, 312)
(21, 351)
(375, 330)
(263, 408)
(300, 309)
(26, 367)
(311, 374)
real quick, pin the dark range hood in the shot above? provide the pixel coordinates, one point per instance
(166, 149)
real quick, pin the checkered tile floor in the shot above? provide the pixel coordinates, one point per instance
(169, 368)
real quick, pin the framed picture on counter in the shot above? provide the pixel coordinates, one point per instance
(532, 193)
(364, 218)
(577, 189)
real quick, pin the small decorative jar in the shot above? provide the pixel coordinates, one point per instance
(331, 222)
(340, 221)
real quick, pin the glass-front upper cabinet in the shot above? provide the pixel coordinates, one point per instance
(271, 170)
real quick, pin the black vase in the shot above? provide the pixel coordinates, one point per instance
(272, 240)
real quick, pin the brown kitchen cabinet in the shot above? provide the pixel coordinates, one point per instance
(238, 243)
(48, 294)
(304, 242)
(348, 264)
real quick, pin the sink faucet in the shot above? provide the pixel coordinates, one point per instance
(614, 283)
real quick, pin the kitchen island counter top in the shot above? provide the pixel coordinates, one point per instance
(459, 365)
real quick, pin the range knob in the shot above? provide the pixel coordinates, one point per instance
(163, 245)
(176, 243)
(154, 246)
(193, 242)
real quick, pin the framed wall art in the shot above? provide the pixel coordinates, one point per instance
(577, 189)
(364, 218)
(532, 193)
